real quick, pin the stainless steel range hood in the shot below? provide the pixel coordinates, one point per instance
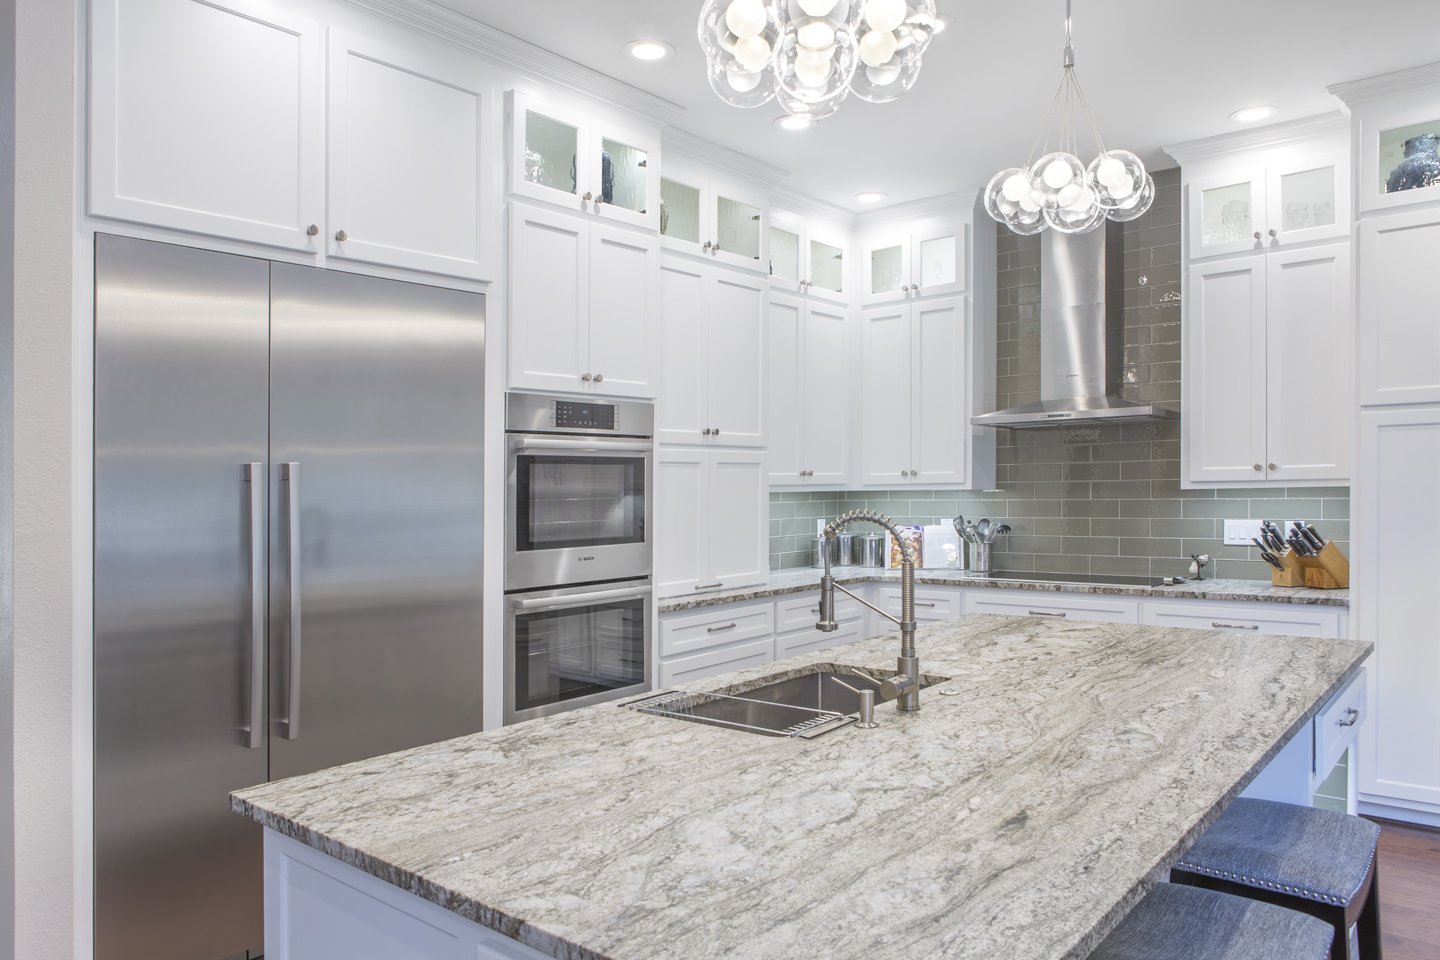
(1081, 337)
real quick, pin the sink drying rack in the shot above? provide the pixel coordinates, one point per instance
(712, 708)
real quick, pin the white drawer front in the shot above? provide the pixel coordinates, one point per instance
(698, 666)
(1285, 619)
(931, 603)
(794, 613)
(1053, 606)
(808, 641)
(1338, 723)
(716, 626)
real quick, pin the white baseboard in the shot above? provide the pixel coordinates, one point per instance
(1389, 810)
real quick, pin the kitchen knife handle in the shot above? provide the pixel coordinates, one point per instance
(255, 476)
(290, 473)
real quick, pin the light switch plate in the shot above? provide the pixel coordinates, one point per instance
(1238, 533)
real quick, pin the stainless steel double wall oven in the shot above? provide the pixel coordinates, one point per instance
(578, 552)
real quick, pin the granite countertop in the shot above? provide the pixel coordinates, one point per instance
(801, 579)
(1019, 819)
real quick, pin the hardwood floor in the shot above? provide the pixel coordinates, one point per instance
(1409, 877)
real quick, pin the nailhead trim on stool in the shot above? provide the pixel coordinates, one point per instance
(1189, 923)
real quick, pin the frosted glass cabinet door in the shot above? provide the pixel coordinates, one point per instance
(1309, 200)
(885, 269)
(208, 117)
(739, 224)
(1307, 292)
(1397, 308)
(682, 223)
(828, 276)
(939, 257)
(1224, 373)
(1227, 214)
(787, 263)
(549, 159)
(407, 142)
(625, 175)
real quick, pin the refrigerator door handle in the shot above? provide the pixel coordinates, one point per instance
(290, 473)
(255, 476)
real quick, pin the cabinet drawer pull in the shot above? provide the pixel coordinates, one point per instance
(921, 603)
(709, 586)
(728, 626)
(1046, 613)
(1351, 716)
(1234, 626)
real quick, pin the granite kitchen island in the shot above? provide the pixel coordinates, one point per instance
(1019, 818)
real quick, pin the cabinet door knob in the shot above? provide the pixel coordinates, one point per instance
(1273, 467)
(341, 236)
(705, 432)
(905, 289)
(1272, 231)
(714, 431)
(1257, 234)
(313, 230)
(1258, 467)
(599, 377)
(586, 378)
(588, 196)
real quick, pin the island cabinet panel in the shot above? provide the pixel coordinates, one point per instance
(715, 627)
(1289, 619)
(317, 906)
(698, 666)
(1052, 606)
(798, 613)
(409, 133)
(207, 117)
(808, 641)
(1397, 605)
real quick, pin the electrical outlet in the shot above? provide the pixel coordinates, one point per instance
(1238, 533)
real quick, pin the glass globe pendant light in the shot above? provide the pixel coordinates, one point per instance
(812, 54)
(1058, 190)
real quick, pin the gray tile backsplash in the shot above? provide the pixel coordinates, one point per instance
(1089, 499)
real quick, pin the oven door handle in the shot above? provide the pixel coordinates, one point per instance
(578, 599)
(598, 443)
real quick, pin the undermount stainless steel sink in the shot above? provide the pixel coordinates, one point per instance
(798, 706)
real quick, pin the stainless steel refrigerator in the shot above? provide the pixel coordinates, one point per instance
(288, 545)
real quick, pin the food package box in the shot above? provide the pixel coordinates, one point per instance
(893, 555)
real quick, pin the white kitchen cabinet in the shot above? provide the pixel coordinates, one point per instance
(409, 140)
(711, 519)
(1283, 619)
(584, 304)
(1267, 367)
(810, 640)
(1398, 308)
(208, 117)
(904, 264)
(716, 626)
(721, 219)
(1052, 606)
(713, 343)
(698, 666)
(1397, 606)
(583, 162)
(809, 393)
(932, 604)
(1226, 213)
(915, 394)
(1298, 196)
(810, 259)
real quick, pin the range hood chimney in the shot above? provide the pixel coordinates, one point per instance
(1081, 336)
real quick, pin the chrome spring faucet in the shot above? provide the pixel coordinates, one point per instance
(904, 688)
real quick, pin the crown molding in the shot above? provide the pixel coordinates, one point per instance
(674, 141)
(809, 206)
(947, 204)
(535, 63)
(1425, 77)
(1275, 135)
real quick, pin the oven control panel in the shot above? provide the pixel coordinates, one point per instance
(585, 416)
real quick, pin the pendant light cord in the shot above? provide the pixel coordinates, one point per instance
(1067, 97)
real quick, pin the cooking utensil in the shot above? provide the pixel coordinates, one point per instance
(996, 531)
(1267, 556)
(982, 528)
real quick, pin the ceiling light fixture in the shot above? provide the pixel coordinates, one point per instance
(812, 54)
(943, 23)
(1058, 190)
(788, 122)
(869, 197)
(649, 50)
(1253, 114)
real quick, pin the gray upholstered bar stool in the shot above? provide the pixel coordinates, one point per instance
(1316, 861)
(1187, 923)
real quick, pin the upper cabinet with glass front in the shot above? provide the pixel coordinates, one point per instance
(810, 259)
(722, 220)
(1292, 188)
(569, 157)
(906, 263)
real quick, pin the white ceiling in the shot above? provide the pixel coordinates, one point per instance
(1155, 72)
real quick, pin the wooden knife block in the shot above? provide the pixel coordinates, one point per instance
(1328, 571)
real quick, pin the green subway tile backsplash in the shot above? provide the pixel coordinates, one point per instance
(1092, 499)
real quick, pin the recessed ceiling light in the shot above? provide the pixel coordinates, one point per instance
(869, 197)
(1253, 114)
(649, 49)
(794, 123)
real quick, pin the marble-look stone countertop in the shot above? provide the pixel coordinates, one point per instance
(1020, 819)
(801, 579)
